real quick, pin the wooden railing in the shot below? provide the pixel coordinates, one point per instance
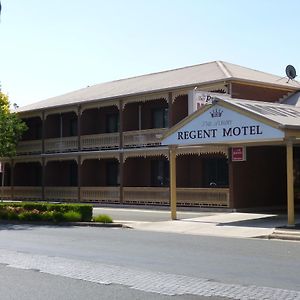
(5, 193)
(96, 141)
(29, 147)
(210, 197)
(147, 137)
(64, 144)
(146, 195)
(65, 193)
(100, 194)
(205, 197)
(28, 193)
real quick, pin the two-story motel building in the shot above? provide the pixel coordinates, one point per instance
(102, 144)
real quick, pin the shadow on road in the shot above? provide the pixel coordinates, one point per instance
(29, 226)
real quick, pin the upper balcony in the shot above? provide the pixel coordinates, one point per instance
(100, 128)
(32, 138)
(128, 124)
(144, 123)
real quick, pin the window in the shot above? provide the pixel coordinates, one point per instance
(112, 123)
(159, 173)
(38, 131)
(73, 176)
(73, 127)
(37, 175)
(215, 172)
(112, 173)
(160, 118)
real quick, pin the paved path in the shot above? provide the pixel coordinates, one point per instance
(247, 225)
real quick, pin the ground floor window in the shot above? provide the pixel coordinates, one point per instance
(112, 173)
(160, 173)
(73, 175)
(215, 172)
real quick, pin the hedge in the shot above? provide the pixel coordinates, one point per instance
(31, 211)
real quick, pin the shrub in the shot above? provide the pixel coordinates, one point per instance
(12, 215)
(47, 216)
(72, 216)
(31, 211)
(57, 216)
(32, 206)
(30, 216)
(103, 219)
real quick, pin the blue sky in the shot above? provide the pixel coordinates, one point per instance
(52, 47)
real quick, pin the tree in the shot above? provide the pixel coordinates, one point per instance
(11, 131)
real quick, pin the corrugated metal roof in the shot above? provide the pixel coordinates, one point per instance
(293, 99)
(278, 116)
(178, 78)
(283, 114)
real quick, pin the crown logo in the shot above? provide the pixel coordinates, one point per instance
(216, 113)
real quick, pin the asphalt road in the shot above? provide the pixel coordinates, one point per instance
(242, 262)
(16, 284)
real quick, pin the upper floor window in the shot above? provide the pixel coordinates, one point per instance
(73, 126)
(160, 118)
(34, 131)
(112, 123)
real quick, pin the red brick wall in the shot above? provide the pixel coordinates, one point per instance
(92, 173)
(52, 126)
(89, 121)
(137, 172)
(180, 109)
(189, 171)
(244, 91)
(131, 117)
(261, 180)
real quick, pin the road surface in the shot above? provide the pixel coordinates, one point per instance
(152, 263)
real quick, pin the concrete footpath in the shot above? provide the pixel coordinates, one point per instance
(228, 224)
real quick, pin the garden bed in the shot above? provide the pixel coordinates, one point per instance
(45, 212)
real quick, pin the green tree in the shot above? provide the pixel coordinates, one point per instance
(11, 130)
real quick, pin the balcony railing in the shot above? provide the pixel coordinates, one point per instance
(203, 197)
(146, 195)
(5, 193)
(64, 144)
(96, 141)
(29, 147)
(65, 193)
(148, 137)
(28, 193)
(100, 194)
(137, 138)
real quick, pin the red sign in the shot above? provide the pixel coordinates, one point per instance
(238, 154)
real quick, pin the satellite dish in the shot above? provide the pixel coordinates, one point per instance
(290, 72)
